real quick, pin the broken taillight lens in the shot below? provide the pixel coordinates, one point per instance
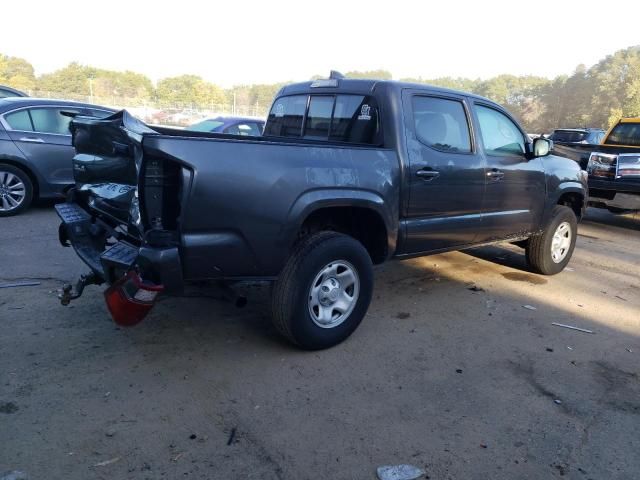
(130, 299)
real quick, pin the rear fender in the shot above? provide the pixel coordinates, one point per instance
(311, 201)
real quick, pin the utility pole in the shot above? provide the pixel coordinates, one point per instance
(234, 102)
(91, 89)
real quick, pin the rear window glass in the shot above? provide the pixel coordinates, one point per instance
(19, 120)
(625, 134)
(355, 120)
(319, 117)
(286, 116)
(342, 118)
(568, 136)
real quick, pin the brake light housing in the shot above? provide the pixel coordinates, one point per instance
(130, 298)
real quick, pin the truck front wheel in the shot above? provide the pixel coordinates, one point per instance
(324, 291)
(550, 251)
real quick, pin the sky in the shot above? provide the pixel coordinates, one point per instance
(249, 41)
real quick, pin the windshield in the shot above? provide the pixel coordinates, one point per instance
(206, 126)
(625, 134)
(569, 136)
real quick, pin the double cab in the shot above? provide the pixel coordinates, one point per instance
(348, 174)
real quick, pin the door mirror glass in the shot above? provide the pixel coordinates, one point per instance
(541, 147)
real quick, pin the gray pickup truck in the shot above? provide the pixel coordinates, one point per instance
(348, 174)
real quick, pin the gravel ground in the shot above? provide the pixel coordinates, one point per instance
(464, 383)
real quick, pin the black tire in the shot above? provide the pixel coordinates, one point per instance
(5, 207)
(291, 311)
(538, 250)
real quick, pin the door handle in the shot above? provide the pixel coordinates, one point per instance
(427, 174)
(495, 174)
(32, 139)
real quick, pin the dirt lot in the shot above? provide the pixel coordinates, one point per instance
(465, 384)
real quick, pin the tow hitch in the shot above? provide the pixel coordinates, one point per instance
(69, 293)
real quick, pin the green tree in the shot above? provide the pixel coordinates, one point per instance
(189, 90)
(17, 73)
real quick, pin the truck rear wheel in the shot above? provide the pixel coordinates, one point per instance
(323, 292)
(550, 251)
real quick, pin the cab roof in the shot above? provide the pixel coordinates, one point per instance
(367, 87)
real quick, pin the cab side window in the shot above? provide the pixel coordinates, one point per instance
(501, 137)
(441, 124)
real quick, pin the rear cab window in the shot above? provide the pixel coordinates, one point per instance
(345, 118)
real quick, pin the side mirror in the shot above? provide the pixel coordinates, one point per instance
(541, 147)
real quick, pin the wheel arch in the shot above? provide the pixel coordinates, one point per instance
(349, 212)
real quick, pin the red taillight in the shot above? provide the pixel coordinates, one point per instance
(130, 299)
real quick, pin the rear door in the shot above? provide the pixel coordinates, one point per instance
(446, 173)
(516, 188)
(42, 134)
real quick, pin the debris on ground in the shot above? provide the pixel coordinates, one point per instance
(571, 327)
(399, 472)
(475, 288)
(623, 299)
(569, 269)
(403, 315)
(232, 436)
(107, 462)
(557, 401)
(529, 307)
(193, 436)
(14, 475)
(549, 349)
(19, 284)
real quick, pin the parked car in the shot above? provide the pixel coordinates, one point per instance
(613, 166)
(577, 135)
(10, 92)
(232, 125)
(349, 173)
(36, 149)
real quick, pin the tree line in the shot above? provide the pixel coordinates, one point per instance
(590, 97)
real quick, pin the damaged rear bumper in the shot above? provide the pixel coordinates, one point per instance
(88, 236)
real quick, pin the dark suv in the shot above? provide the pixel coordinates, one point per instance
(36, 150)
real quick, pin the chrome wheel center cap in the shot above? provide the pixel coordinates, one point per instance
(329, 292)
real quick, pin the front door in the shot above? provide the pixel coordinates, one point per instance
(446, 174)
(515, 194)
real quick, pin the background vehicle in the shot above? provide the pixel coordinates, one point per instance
(577, 135)
(231, 125)
(10, 92)
(613, 166)
(36, 149)
(348, 173)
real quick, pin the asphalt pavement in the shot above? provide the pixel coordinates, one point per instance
(456, 369)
